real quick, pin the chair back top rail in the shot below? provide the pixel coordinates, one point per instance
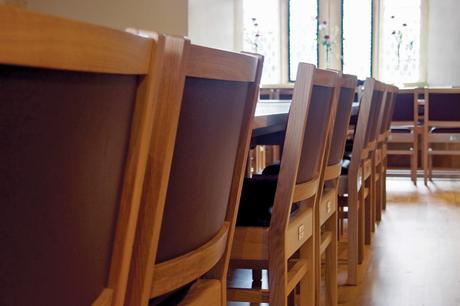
(37, 40)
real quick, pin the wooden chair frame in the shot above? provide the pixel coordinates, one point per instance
(40, 41)
(326, 210)
(355, 188)
(380, 156)
(408, 138)
(208, 263)
(429, 138)
(272, 247)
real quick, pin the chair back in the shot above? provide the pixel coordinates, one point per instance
(342, 119)
(362, 132)
(404, 107)
(189, 205)
(390, 104)
(75, 125)
(312, 109)
(443, 105)
(376, 113)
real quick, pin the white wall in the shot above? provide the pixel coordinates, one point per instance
(212, 23)
(166, 16)
(443, 67)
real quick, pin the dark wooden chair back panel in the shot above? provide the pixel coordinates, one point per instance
(389, 111)
(315, 133)
(342, 120)
(203, 164)
(444, 107)
(404, 107)
(63, 145)
(374, 113)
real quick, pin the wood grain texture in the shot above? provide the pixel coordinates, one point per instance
(104, 299)
(216, 64)
(35, 40)
(191, 265)
(166, 116)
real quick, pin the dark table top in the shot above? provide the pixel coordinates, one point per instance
(271, 116)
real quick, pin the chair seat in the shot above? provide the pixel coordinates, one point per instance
(445, 130)
(257, 198)
(256, 201)
(401, 129)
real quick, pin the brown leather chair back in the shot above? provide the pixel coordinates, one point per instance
(391, 101)
(203, 164)
(374, 116)
(404, 107)
(342, 120)
(67, 128)
(315, 133)
(444, 106)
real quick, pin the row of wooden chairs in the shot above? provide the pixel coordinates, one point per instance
(124, 162)
(425, 122)
(362, 187)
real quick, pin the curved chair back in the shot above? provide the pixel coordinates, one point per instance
(342, 119)
(444, 105)
(188, 208)
(76, 117)
(404, 107)
(390, 106)
(302, 157)
(375, 113)
(367, 112)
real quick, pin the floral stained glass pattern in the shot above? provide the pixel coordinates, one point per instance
(261, 34)
(400, 41)
(303, 30)
(357, 37)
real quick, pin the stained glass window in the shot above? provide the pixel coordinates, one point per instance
(357, 37)
(303, 29)
(261, 34)
(400, 41)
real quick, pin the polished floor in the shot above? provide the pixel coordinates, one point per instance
(415, 256)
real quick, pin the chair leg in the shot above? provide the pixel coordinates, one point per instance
(368, 212)
(430, 167)
(425, 160)
(378, 193)
(331, 263)
(307, 283)
(414, 159)
(277, 277)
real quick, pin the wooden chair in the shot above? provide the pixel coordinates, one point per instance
(405, 129)
(380, 155)
(355, 183)
(326, 210)
(276, 219)
(76, 118)
(441, 126)
(188, 210)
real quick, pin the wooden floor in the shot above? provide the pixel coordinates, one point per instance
(415, 256)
